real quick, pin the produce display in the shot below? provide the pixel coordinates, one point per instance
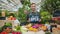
(34, 28)
(24, 29)
(47, 11)
(44, 27)
(56, 30)
(16, 32)
(11, 18)
(56, 18)
(16, 28)
(58, 27)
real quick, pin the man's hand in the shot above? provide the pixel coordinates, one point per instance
(40, 20)
(28, 20)
(25, 12)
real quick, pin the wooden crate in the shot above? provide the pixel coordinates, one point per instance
(56, 31)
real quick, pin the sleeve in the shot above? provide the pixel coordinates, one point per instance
(27, 16)
(39, 15)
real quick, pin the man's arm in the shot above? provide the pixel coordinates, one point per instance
(39, 17)
(28, 19)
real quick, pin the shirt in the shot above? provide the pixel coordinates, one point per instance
(34, 16)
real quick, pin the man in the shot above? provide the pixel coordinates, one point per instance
(33, 16)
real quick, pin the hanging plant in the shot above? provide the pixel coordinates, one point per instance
(51, 5)
(21, 15)
(7, 13)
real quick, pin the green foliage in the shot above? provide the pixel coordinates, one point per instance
(7, 13)
(51, 5)
(0, 29)
(21, 15)
(17, 28)
(48, 33)
(8, 24)
(15, 15)
(45, 16)
(25, 2)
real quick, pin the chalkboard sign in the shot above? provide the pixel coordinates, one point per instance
(56, 13)
(2, 18)
(0, 13)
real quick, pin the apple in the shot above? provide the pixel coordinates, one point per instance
(16, 32)
(13, 18)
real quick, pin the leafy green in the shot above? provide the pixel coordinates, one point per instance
(51, 5)
(8, 24)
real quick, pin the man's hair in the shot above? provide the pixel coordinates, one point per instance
(32, 4)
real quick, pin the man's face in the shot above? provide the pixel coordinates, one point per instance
(33, 7)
